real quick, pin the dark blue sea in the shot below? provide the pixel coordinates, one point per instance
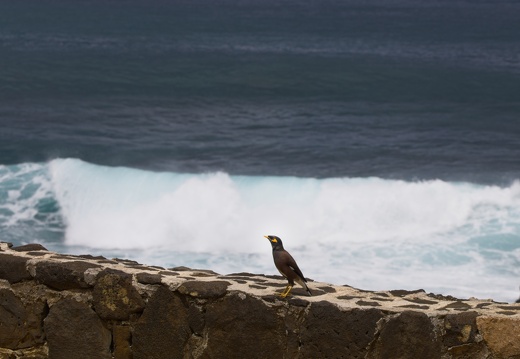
(380, 139)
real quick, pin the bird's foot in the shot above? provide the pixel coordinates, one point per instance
(286, 291)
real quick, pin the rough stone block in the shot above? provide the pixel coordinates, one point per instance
(20, 326)
(332, 333)
(29, 247)
(409, 335)
(63, 275)
(203, 289)
(148, 278)
(13, 269)
(502, 335)
(243, 327)
(75, 331)
(163, 329)
(114, 296)
(460, 329)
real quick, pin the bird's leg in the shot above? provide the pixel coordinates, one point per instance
(285, 293)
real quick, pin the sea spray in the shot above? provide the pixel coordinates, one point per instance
(122, 207)
(456, 238)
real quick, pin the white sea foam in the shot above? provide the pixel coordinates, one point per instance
(454, 238)
(22, 188)
(128, 208)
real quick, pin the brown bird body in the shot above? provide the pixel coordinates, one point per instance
(287, 266)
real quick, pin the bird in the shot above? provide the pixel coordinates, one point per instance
(287, 266)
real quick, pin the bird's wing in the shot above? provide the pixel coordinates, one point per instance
(292, 264)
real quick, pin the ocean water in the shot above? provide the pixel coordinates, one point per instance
(378, 139)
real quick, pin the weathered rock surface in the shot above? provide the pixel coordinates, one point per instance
(62, 306)
(29, 248)
(165, 316)
(501, 335)
(20, 324)
(407, 335)
(206, 289)
(74, 330)
(114, 296)
(13, 269)
(338, 332)
(62, 275)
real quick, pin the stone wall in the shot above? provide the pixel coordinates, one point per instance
(62, 306)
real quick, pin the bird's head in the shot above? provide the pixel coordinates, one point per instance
(276, 242)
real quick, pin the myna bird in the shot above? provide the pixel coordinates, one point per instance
(287, 266)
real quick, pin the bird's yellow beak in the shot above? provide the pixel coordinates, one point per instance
(273, 240)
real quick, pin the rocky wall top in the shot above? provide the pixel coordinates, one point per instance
(120, 297)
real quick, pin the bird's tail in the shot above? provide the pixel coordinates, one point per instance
(304, 285)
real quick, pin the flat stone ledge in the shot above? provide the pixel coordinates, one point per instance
(65, 272)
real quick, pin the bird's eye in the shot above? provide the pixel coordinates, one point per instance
(274, 240)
